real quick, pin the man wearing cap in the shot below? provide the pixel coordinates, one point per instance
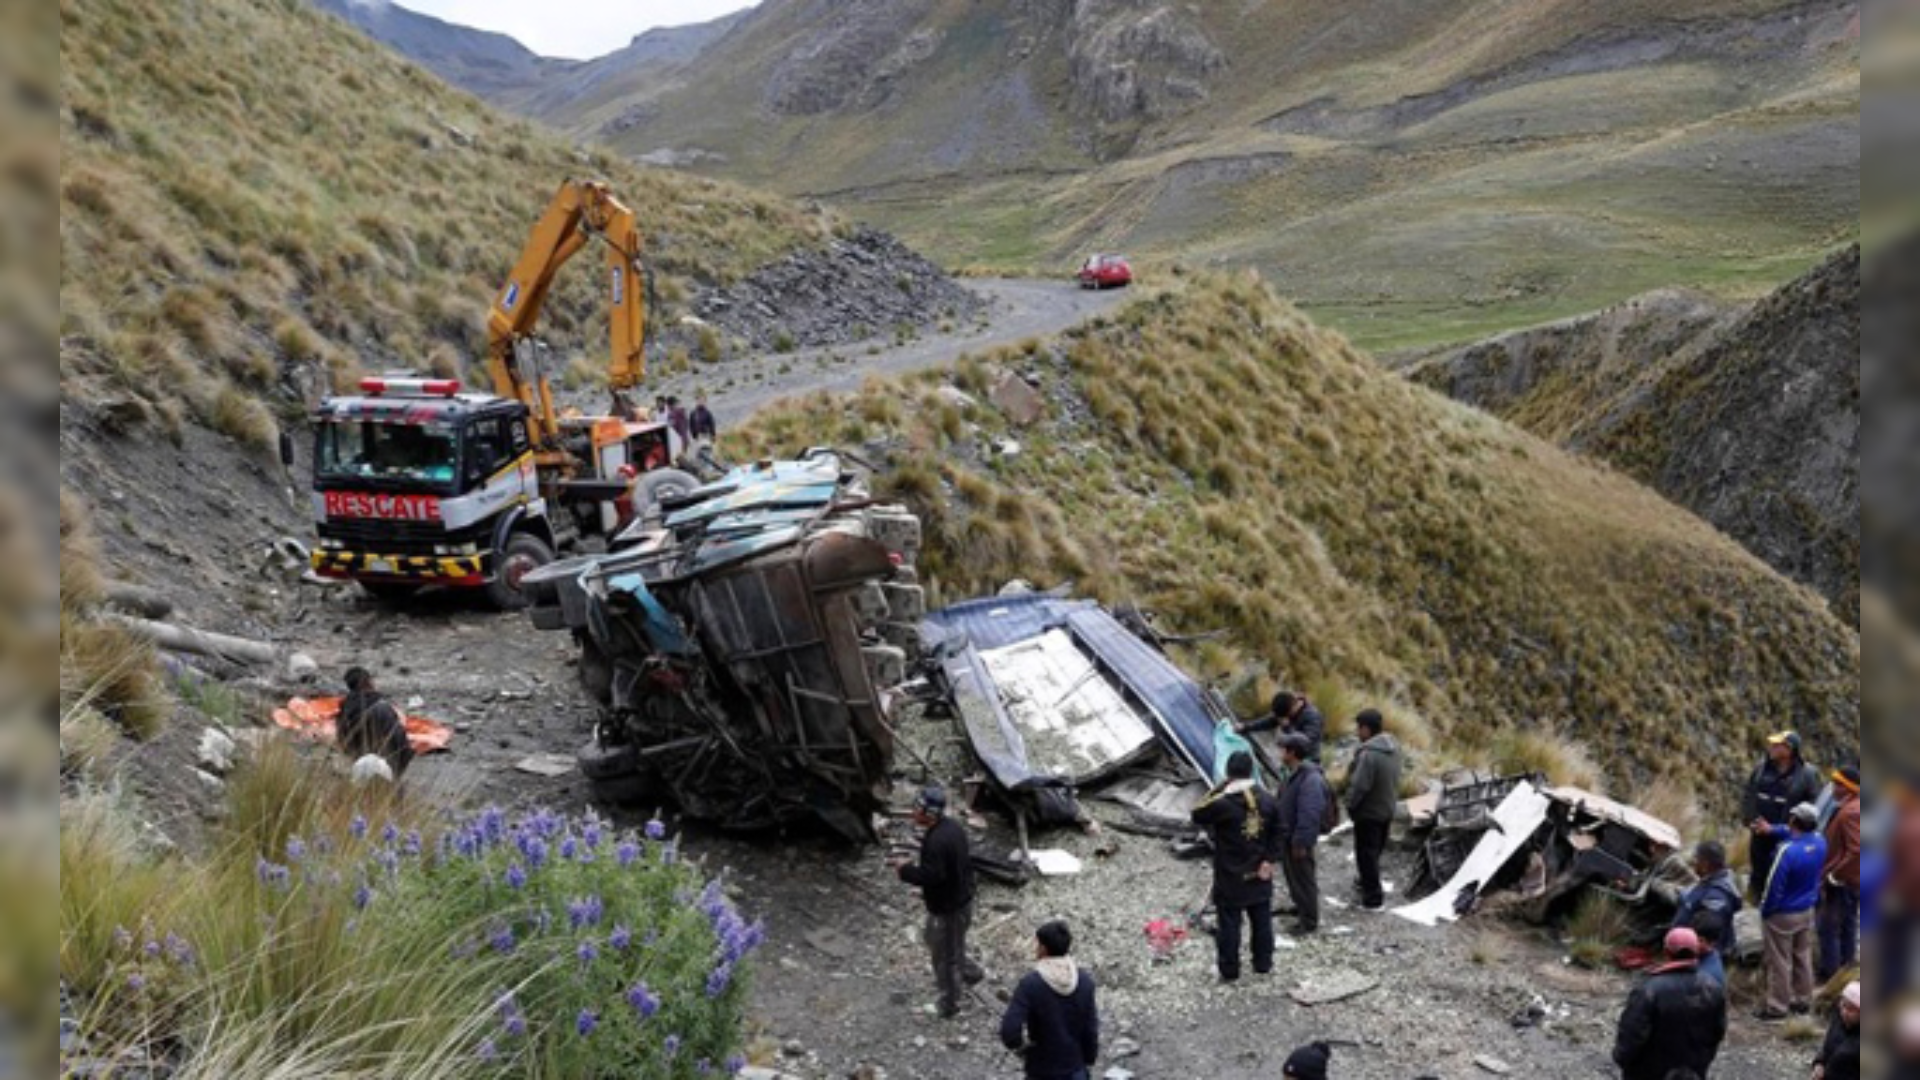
(1783, 781)
(1675, 1020)
(1839, 1057)
(1303, 813)
(1243, 823)
(1787, 910)
(1839, 920)
(1308, 1063)
(944, 876)
(1716, 892)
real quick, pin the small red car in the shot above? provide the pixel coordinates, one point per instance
(1105, 271)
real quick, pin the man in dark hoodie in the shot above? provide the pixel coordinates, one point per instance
(1293, 714)
(1303, 811)
(369, 724)
(1716, 891)
(1373, 795)
(1675, 1020)
(1781, 782)
(1244, 824)
(1052, 1020)
(944, 876)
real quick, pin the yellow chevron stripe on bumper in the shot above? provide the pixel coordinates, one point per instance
(425, 568)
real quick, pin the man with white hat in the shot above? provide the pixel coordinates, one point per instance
(1840, 1055)
(1787, 904)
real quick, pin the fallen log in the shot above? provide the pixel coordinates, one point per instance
(137, 600)
(198, 642)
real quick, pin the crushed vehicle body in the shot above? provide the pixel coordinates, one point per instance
(1522, 844)
(1054, 694)
(742, 648)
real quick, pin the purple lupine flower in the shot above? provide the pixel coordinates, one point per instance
(627, 853)
(516, 876)
(122, 938)
(671, 1045)
(620, 939)
(586, 912)
(493, 823)
(569, 847)
(588, 952)
(586, 1022)
(488, 1052)
(389, 861)
(736, 1064)
(591, 833)
(151, 950)
(501, 940)
(272, 873)
(533, 849)
(515, 1025)
(703, 1066)
(362, 896)
(136, 982)
(643, 1000)
(410, 847)
(179, 951)
(296, 849)
(717, 982)
(656, 829)
(467, 844)
(358, 827)
(389, 833)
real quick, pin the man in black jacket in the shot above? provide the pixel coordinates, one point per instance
(1244, 825)
(369, 724)
(1675, 1020)
(1052, 1019)
(944, 876)
(1840, 1054)
(1303, 810)
(1781, 782)
(1293, 714)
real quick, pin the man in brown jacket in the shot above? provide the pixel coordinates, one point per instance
(1840, 878)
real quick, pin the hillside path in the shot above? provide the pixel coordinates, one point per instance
(1020, 308)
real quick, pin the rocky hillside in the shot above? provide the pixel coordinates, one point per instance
(1215, 457)
(1749, 416)
(1413, 173)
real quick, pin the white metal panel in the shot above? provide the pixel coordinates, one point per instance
(1074, 721)
(1517, 818)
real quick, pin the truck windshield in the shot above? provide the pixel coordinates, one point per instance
(363, 450)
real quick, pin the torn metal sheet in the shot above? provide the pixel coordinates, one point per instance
(1515, 821)
(1157, 798)
(1074, 722)
(1606, 809)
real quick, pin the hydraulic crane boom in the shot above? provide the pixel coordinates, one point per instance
(582, 210)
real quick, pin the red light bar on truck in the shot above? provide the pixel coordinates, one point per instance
(411, 387)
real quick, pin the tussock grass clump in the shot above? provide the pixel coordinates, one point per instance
(105, 670)
(1597, 928)
(1376, 544)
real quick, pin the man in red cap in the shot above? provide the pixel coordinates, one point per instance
(1839, 919)
(1675, 1020)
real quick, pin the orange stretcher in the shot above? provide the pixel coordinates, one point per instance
(313, 718)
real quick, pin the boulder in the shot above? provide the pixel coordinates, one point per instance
(1016, 400)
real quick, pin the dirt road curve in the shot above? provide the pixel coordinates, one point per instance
(1021, 309)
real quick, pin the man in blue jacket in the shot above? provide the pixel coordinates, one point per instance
(1052, 1020)
(1787, 906)
(1717, 892)
(1303, 811)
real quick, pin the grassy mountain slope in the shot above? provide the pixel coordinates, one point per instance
(1415, 173)
(1749, 416)
(253, 194)
(1226, 463)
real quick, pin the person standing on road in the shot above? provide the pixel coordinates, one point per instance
(1674, 1021)
(1781, 782)
(1244, 824)
(1052, 1020)
(369, 724)
(944, 876)
(1293, 714)
(677, 420)
(1716, 892)
(1373, 795)
(1786, 910)
(1304, 803)
(1839, 918)
(701, 421)
(1839, 1057)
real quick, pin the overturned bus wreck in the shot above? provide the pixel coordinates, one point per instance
(742, 648)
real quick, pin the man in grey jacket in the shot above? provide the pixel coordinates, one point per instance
(1373, 794)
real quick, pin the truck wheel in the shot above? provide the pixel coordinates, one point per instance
(389, 592)
(657, 485)
(522, 553)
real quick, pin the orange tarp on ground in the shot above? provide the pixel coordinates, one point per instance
(313, 718)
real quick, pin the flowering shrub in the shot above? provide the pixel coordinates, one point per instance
(614, 958)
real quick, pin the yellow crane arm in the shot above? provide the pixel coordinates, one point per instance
(581, 211)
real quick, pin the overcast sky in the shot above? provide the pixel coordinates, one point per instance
(580, 29)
